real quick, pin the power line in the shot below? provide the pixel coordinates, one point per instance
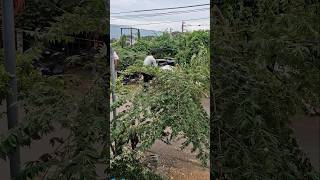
(170, 12)
(159, 9)
(66, 35)
(198, 25)
(169, 21)
(157, 14)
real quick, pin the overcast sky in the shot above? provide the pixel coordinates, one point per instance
(132, 5)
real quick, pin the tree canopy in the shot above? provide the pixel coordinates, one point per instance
(265, 58)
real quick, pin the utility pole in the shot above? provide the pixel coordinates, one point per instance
(131, 37)
(121, 38)
(10, 65)
(113, 81)
(106, 77)
(139, 35)
(182, 26)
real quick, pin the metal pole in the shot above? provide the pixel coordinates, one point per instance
(10, 65)
(107, 92)
(113, 81)
(122, 44)
(131, 36)
(182, 26)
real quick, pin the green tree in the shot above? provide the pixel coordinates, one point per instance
(173, 101)
(46, 101)
(265, 66)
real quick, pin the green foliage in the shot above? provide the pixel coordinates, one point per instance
(38, 120)
(59, 21)
(183, 47)
(123, 41)
(129, 57)
(27, 75)
(129, 166)
(37, 14)
(49, 105)
(191, 44)
(164, 45)
(4, 80)
(173, 100)
(253, 98)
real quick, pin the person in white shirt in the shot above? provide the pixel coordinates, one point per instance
(116, 60)
(149, 61)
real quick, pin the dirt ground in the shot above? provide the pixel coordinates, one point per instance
(179, 164)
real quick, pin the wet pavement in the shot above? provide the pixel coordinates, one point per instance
(307, 132)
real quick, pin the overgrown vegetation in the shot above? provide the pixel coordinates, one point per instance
(266, 66)
(173, 99)
(49, 105)
(180, 46)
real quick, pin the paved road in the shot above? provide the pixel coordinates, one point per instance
(307, 131)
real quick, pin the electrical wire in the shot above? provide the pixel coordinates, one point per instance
(157, 14)
(197, 25)
(160, 9)
(169, 21)
(42, 33)
(141, 16)
(151, 15)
